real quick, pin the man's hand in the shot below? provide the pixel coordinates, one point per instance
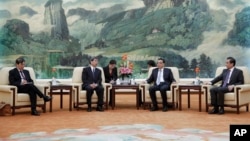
(23, 82)
(93, 85)
(230, 87)
(208, 83)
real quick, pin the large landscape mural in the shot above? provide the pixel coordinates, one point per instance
(54, 36)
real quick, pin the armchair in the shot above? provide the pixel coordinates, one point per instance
(237, 99)
(171, 94)
(80, 97)
(9, 95)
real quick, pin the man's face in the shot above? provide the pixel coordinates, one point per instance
(228, 64)
(94, 63)
(111, 66)
(160, 64)
(20, 66)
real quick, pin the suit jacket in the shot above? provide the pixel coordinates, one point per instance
(88, 78)
(15, 78)
(236, 78)
(167, 76)
(109, 76)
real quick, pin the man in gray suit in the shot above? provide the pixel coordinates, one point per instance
(229, 77)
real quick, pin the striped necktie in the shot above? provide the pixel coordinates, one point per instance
(22, 74)
(227, 79)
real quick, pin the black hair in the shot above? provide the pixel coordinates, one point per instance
(20, 60)
(92, 59)
(231, 60)
(112, 62)
(151, 63)
(162, 60)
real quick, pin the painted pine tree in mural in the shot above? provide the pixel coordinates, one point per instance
(55, 35)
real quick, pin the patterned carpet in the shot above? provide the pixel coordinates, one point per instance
(133, 132)
(124, 123)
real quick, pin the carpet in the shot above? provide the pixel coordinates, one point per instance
(130, 132)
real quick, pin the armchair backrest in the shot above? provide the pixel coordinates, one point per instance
(77, 75)
(4, 77)
(243, 68)
(174, 70)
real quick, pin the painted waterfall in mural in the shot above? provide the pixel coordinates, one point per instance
(57, 35)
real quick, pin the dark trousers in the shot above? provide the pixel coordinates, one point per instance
(163, 89)
(33, 91)
(217, 95)
(99, 91)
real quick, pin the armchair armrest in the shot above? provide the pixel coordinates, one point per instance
(7, 88)
(242, 88)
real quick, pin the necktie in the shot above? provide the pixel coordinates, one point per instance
(22, 74)
(158, 81)
(227, 79)
(93, 71)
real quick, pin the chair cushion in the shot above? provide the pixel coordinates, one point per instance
(24, 97)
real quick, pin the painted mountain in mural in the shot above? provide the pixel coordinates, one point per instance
(240, 34)
(172, 27)
(27, 10)
(185, 32)
(55, 16)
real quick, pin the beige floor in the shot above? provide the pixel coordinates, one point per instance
(124, 113)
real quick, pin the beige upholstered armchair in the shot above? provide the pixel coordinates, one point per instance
(237, 99)
(171, 94)
(9, 95)
(80, 97)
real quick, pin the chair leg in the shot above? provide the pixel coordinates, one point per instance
(206, 107)
(13, 111)
(247, 107)
(238, 110)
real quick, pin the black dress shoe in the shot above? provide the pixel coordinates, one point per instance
(165, 109)
(214, 111)
(35, 113)
(221, 111)
(47, 98)
(99, 108)
(89, 109)
(154, 108)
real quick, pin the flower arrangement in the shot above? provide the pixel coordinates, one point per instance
(126, 67)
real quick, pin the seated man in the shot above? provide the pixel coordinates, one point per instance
(20, 78)
(162, 78)
(92, 81)
(229, 77)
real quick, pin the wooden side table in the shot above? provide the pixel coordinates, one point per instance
(61, 90)
(188, 88)
(125, 86)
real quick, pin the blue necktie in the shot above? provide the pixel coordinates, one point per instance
(227, 79)
(158, 81)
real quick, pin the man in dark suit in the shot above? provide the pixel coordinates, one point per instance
(92, 81)
(162, 78)
(20, 78)
(110, 72)
(229, 77)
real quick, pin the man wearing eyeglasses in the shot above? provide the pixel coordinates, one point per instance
(20, 78)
